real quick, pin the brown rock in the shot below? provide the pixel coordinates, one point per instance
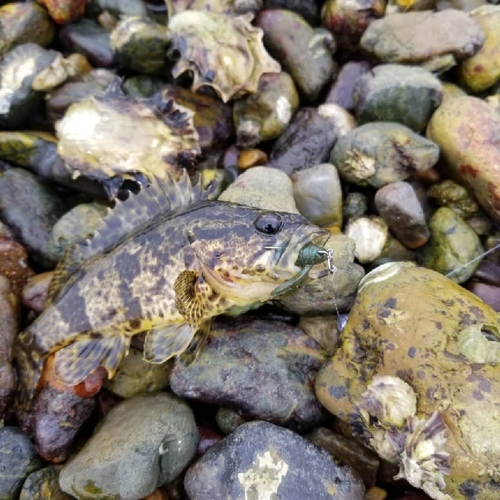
(14, 264)
(251, 158)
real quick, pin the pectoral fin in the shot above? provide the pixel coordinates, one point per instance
(163, 343)
(77, 361)
(190, 355)
(188, 300)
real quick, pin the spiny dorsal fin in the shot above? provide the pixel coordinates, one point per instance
(155, 197)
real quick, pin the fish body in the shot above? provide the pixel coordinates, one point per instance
(169, 277)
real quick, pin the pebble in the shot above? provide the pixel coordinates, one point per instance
(18, 458)
(370, 235)
(318, 195)
(355, 205)
(251, 158)
(450, 194)
(488, 293)
(143, 443)
(14, 264)
(397, 93)
(43, 485)
(262, 369)
(228, 420)
(36, 290)
(323, 329)
(401, 209)
(31, 208)
(452, 245)
(262, 460)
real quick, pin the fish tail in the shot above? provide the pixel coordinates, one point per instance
(29, 364)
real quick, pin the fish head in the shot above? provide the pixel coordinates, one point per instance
(259, 254)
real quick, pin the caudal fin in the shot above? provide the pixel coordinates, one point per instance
(29, 366)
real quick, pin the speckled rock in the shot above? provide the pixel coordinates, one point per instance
(14, 264)
(261, 460)
(18, 458)
(426, 337)
(376, 154)
(31, 208)
(452, 245)
(433, 39)
(44, 485)
(318, 195)
(262, 369)
(401, 209)
(397, 93)
(262, 187)
(143, 442)
(135, 375)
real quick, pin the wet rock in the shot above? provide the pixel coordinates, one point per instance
(262, 460)
(401, 209)
(323, 329)
(318, 195)
(451, 195)
(24, 23)
(305, 53)
(76, 225)
(57, 418)
(330, 293)
(18, 458)
(341, 91)
(347, 20)
(264, 116)
(14, 264)
(361, 459)
(90, 39)
(9, 328)
(308, 9)
(140, 44)
(397, 93)
(412, 345)
(370, 235)
(228, 420)
(212, 118)
(142, 443)
(208, 437)
(309, 139)
(376, 154)
(31, 208)
(466, 129)
(355, 205)
(404, 38)
(18, 69)
(261, 369)
(451, 246)
(487, 293)
(135, 375)
(488, 272)
(36, 290)
(43, 485)
(482, 70)
(257, 187)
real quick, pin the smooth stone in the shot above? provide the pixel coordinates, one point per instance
(401, 209)
(143, 443)
(262, 187)
(18, 458)
(377, 154)
(409, 324)
(251, 158)
(309, 138)
(397, 93)
(31, 208)
(452, 246)
(228, 420)
(467, 131)
(333, 292)
(264, 115)
(43, 485)
(261, 369)
(341, 91)
(487, 293)
(482, 70)
(308, 9)
(370, 235)
(355, 205)
(434, 39)
(323, 329)
(135, 375)
(304, 53)
(363, 460)
(118, 8)
(18, 69)
(488, 272)
(262, 460)
(318, 195)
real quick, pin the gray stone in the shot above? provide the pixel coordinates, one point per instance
(144, 442)
(262, 460)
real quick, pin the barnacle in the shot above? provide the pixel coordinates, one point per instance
(473, 344)
(221, 51)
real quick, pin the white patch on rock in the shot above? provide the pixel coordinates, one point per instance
(283, 109)
(262, 480)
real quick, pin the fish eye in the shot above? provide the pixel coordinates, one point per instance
(268, 223)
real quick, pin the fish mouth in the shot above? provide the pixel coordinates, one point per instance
(286, 256)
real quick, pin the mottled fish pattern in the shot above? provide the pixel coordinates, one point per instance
(174, 268)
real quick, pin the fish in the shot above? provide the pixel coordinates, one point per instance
(164, 262)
